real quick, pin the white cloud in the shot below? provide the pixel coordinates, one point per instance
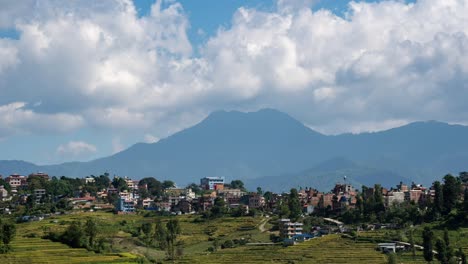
(150, 138)
(76, 149)
(15, 118)
(101, 65)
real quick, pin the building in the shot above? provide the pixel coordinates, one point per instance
(212, 183)
(3, 193)
(125, 206)
(39, 194)
(16, 181)
(289, 229)
(394, 197)
(256, 201)
(89, 179)
(42, 175)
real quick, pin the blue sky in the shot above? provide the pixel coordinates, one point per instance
(80, 81)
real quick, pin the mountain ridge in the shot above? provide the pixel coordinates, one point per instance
(265, 143)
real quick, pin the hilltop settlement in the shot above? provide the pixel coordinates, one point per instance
(343, 209)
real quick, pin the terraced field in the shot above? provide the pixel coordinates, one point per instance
(329, 249)
(37, 250)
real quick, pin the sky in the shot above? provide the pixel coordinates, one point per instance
(86, 79)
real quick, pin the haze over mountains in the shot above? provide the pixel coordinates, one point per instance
(269, 148)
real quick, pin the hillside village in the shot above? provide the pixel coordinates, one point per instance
(298, 216)
(126, 196)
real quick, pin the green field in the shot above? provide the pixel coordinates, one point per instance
(197, 237)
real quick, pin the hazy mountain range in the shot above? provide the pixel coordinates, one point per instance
(269, 148)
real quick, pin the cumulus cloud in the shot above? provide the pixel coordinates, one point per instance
(76, 149)
(16, 118)
(151, 139)
(98, 64)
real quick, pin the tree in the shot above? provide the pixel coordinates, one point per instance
(74, 235)
(428, 236)
(219, 208)
(173, 230)
(294, 205)
(411, 240)
(120, 184)
(7, 233)
(147, 231)
(168, 184)
(378, 199)
(438, 198)
(259, 190)
(237, 184)
(463, 176)
(441, 251)
(451, 190)
(160, 235)
(151, 185)
(91, 231)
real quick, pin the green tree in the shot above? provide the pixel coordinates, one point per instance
(120, 184)
(451, 190)
(7, 233)
(438, 198)
(441, 251)
(411, 241)
(378, 199)
(91, 230)
(219, 208)
(294, 205)
(259, 190)
(428, 236)
(147, 232)
(160, 234)
(74, 235)
(237, 184)
(153, 186)
(168, 184)
(392, 258)
(173, 230)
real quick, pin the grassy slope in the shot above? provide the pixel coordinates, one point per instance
(195, 238)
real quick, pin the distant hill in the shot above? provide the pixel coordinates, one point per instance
(266, 144)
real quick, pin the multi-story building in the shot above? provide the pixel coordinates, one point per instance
(42, 175)
(256, 201)
(16, 180)
(394, 197)
(39, 194)
(212, 183)
(289, 229)
(125, 206)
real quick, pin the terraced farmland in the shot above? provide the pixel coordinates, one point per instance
(37, 250)
(329, 249)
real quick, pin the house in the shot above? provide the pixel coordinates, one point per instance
(125, 206)
(39, 194)
(16, 181)
(212, 183)
(89, 179)
(147, 203)
(256, 201)
(42, 175)
(394, 197)
(3, 193)
(289, 229)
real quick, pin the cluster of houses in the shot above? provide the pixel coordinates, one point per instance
(184, 200)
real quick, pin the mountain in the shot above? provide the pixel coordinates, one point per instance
(267, 145)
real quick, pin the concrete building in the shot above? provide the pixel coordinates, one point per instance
(42, 175)
(16, 180)
(289, 229)
(212, 183)
(3, 193)
(39, 194)
(125, 206)
(256, 201)
(394, 197)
